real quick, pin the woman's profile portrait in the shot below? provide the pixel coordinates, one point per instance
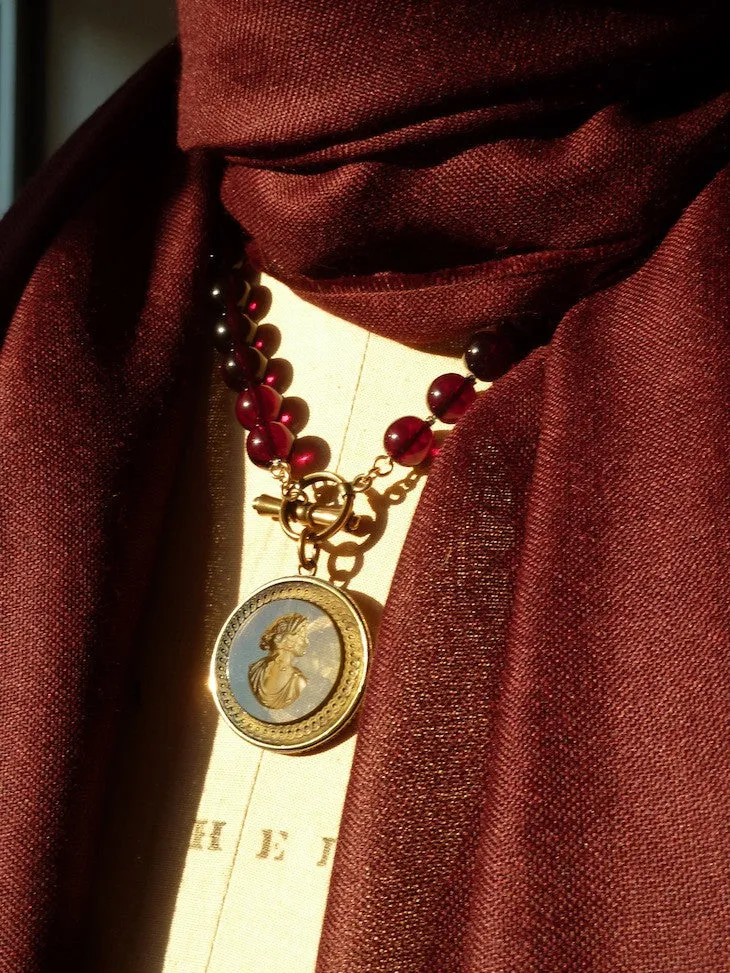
(275, 681)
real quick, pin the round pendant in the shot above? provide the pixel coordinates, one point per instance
(289, 665)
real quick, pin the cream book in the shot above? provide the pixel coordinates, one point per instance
(217, 855)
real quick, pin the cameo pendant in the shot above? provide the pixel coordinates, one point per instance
(289, 665)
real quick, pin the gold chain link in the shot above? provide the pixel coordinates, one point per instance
(383, 466)
(308, 560)
(281, 471)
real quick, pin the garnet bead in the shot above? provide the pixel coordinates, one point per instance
(230, 289)
(228, 247)
(237, 288)
(257, 302)
(251, 362)
(408, 440)
(233, 330)
(257, 404)
(244, 366)
(222, 337)
(232, 374)
(242, 328)
(450, 395)
(269, 441)
(489, 354)
(309, 453)
(217, 295)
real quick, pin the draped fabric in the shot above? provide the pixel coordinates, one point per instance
(96, 371)
(541, 773)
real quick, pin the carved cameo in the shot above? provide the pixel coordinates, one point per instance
(275, 681)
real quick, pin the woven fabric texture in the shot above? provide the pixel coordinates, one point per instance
(541, 775)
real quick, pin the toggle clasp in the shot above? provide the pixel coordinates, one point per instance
(307, 514)
(309, 522)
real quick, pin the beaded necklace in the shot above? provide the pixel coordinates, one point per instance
(315, 642)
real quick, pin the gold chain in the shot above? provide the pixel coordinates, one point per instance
(383, 465)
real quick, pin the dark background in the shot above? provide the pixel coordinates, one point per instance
(71, 55)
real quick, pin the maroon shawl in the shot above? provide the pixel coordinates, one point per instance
(555, 795)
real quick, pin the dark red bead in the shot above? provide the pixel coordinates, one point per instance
(309, 453)
(408, 440)
(232, 374)
(267, 442)
(236, 288)
(244, 366)
(230, 288)
(279, 374)
(217, 295)
(450, 395)
(251, 362)
(242, 328)
(232, 331)
(239, 287)
(257, 404)
(257, 303)
(489, 354)
(227, 245)
(222, 337)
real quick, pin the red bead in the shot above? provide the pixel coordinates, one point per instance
(233, 330)
(232, 288)
(217, 295)
(278, 374)
(240, 369)
(408, 440)
(257, 303)
(227, 246)
(251, 362)
(232, 374)
(222, 337)
(450, 395)
(257, 404)
(238, 287)
(242, 328)
(268, 442)
(489, 354)
(310, 453)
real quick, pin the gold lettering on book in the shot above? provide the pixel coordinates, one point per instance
(215, 836)
(327, 846)
(199, 834)
(271, 844)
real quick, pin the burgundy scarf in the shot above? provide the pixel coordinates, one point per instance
(541, 779)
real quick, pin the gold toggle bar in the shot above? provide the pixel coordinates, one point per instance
(306, 513)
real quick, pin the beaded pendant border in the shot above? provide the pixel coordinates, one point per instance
(289, 665)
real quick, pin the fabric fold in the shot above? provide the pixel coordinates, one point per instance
(96, 371)
(554, 795)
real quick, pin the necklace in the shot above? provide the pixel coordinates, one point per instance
(290, 663)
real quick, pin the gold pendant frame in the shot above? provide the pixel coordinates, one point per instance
(242, 709)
